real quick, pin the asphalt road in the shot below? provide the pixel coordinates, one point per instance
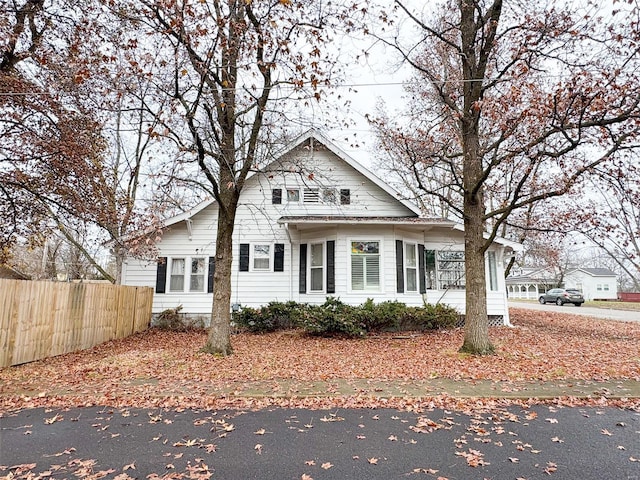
(540, 442)
(605, 313)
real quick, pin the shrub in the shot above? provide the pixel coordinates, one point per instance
(430, 317)
(272, 317)
(384, 316)
(333, 318)
(172, 319)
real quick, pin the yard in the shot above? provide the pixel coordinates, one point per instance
(160, 368)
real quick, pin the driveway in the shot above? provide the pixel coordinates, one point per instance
(604, 313)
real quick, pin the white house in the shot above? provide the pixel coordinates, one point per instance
(319, 224)
(530, 282)
(595, 283)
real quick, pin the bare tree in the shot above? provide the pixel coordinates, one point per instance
(521, 102)
(230, 68)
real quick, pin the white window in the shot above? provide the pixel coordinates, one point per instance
(411, 267)
(176, 281)
(445, 269)
(365, 265)
(196, 277)
(262, 257)
(316, 266)
(606, 287)
(599, 287)
(192, 278)
(329, 195)
(493, 271)
(293, 195)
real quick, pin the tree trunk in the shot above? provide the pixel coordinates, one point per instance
(219, 338)
(476, 327)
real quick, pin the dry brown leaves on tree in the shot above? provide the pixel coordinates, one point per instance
(165, 368)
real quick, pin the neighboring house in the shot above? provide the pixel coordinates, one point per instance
(594, 283)
(12, 274)
(318, 224)
(529, 283)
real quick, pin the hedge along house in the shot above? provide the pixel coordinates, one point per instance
(318, 224)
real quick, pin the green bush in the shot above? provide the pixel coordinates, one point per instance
(430, 317)
(382, 317)
(272, 317)
(333, 318)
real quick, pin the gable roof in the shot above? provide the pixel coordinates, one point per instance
(308, 136)
(596, 272)
(313, 134)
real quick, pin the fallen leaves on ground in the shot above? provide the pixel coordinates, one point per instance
(157, 368)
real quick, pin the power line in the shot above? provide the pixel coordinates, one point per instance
(359, 85)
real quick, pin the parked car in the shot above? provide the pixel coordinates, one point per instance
(560, 296)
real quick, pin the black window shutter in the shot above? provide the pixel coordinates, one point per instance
(276, 196)
(278, 257)
(345, 196)
(244, 257)
(303, 269)
(212, 269)
(399, 267)
(421, 269)
(161, 275)
(331, 266)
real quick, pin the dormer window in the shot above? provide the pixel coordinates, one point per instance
(345, 196)
(293, 195)
(329, 195)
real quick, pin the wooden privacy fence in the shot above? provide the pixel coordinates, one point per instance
(43, 319)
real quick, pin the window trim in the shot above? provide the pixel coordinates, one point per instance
(186, 286)
(323, 267)
(330, 196)
(381, 256)
(252, 257)
(297, 190)
(437, 270)
(172, 260)
(492, 271)
(204, 274)
(414, 246)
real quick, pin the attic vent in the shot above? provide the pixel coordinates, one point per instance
(311, 195)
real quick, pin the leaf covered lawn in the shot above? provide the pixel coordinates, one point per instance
(154, 365)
